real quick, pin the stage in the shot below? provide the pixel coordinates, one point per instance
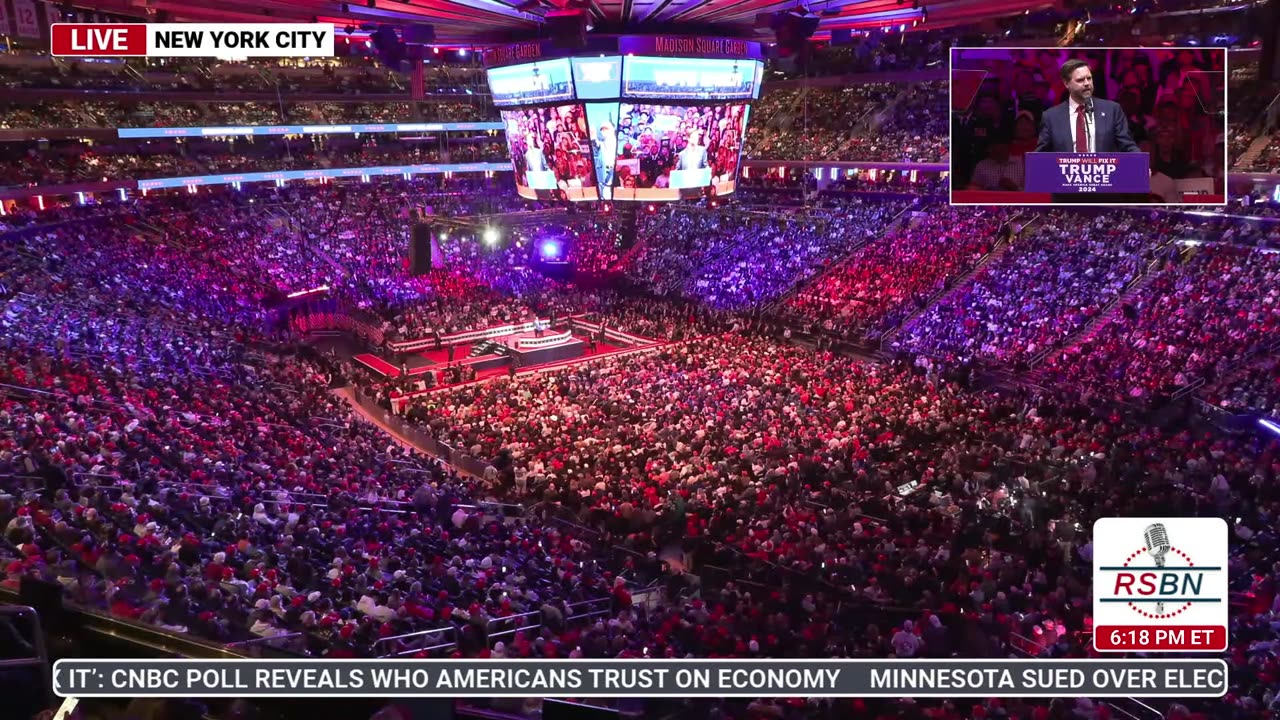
(534, 348)
(419, 364)
(491, 352)
(525, 348)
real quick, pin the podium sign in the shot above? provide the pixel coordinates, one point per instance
(690, 178)
(1069, 173)
(541, 179)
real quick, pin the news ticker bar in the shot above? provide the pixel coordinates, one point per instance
(641, 678)
(302, 129)
(317, 173)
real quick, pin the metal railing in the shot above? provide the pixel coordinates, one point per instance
(1186, 390)
(1271, 116)
(29, 482)
(41, 660)
(1026, 646)
(445, 638)
(254, 646)
(1130, 708)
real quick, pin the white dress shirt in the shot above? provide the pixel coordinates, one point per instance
(1088, 121)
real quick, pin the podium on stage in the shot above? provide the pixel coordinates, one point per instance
(541, 179)
(1088, 174)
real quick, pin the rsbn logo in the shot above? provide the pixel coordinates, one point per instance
(1159, 580)
(1158, 574)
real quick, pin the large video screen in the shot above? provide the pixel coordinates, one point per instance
(548, 81)
(597, 77)
(551, 152)
(602, 124)
(690, 78)
(666, 152)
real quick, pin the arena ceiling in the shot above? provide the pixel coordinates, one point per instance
(475, 22)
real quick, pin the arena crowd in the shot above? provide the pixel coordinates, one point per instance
(864, 424)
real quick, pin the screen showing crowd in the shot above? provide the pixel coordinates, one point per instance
(1166, 102)
(551, 152)
(633, 77)
(665, 152)
(547, 81)
(691, 78)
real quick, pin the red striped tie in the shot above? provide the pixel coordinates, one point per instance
(1082, 135)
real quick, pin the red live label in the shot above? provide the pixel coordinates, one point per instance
(1146, 638)
(98, 39)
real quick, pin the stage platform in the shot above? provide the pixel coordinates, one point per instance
(528, 348)
(551, 346)
(498, 346)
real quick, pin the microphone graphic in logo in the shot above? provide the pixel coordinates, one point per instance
(1157, 539)
(1166, 592)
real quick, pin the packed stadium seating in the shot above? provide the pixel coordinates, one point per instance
(812, 122)
(346, 76)
(895, 274)
(183, 497)
(1248, 99)
(765, 263)
(159, 159)
(867, 121)
(1204, 311)
(1039, 292)
(97, 113)
(791, 186)
(1253, 388)
(1269, 158)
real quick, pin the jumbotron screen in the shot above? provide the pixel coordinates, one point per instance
(691, 79)
(644, 128)
(547, 81)
(666, 152)
(551, 152)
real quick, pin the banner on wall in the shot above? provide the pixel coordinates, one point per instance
(26, 21)
(683, 46)
(518, 52)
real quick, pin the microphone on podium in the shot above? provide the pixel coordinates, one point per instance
(1088, 123)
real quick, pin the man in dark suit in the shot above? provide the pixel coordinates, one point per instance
(1084, 123)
